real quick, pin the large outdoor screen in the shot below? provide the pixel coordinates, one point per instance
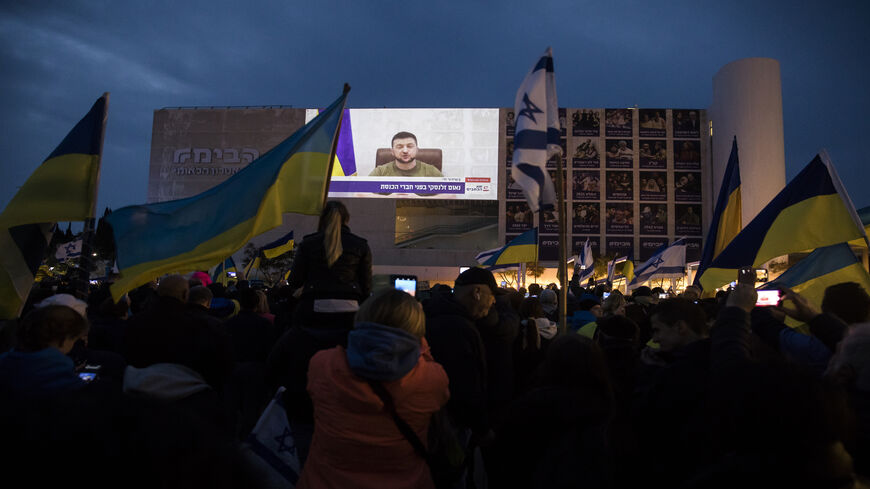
(416, 153)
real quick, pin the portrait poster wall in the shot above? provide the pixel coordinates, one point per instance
(518, 217)
(585, 123)
(509, 153)
(687, 186)
(653, 185)
(617, 123)
(586, 154)
(548, 248)
(649, 246)
(653, 154)
(579, 241)
(619, 246)
(619, 218)
(549, 222)
(652, 123)
(552, 174)
(510, 124)
(586, 218)
(688, 220)
(563, 122)
(687, 155)
(513, 190)
(586, 185)
(653, 219)
(620, 185)
(686, 123)
(693, 249)
(620, 153)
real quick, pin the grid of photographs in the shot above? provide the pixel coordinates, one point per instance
(634, 181)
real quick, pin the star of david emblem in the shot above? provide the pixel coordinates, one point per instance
(285, 442)
(530, 110)
(658, 262)
(70, 248)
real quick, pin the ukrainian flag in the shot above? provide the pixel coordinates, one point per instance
(194, 233)
(812, 211)
(727, 220)
(279, 246)
(522, 249)
(220, 272)
(62, 188)
(824, 267)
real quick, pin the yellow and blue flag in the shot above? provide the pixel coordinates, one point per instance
(522, 249)
(220, 272)
(811, 212)
(62, 188)
(727, 216)
(279, 246)
(194, 233)
(823, 267)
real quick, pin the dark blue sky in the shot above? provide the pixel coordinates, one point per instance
(57, 57)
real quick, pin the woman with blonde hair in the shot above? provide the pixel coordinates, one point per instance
(357, 442)
(333, 268)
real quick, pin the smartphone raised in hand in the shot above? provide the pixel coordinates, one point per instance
(746, 275)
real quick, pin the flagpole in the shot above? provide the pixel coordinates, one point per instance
(563, 269)
(335, 145)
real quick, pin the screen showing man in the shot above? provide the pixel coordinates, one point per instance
(405, 164)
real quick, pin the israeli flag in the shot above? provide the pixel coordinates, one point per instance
(537, 134)
(669, 262)
(65, 251)
(271, 449)
(584, 265)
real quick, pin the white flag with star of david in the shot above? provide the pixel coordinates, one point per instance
(271, 448)
(537, 134)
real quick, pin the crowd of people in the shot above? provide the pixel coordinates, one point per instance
(468, 386)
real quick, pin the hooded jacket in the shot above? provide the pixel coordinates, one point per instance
(356, 442)
(35, 374)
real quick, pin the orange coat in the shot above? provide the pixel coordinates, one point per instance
(356, 442)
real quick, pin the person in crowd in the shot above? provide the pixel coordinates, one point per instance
(535, 335)
(583, 321)
(109, 324)
(613, 305)
(39, 367)
(556, 435)
(357, 442)
(199, 304)
(456, 343)
(263, 307)
(252, 335)
(550, 304)
(333, 267)
(175, 357)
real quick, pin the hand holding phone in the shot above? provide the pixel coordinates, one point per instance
(746, 275)
(767, 298)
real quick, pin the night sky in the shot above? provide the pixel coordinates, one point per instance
(58, 57)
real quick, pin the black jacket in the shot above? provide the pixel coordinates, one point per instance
(351, 274)
(456, 344)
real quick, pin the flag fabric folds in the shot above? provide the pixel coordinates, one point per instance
(65, 251)
(272, 448)
(727, 215)
(220, 272)
(628, 271)
(522, 249)
(584, 265)
(812, 211)
(537, 134)
(279, 246)
(667, 263)
(822, 268)
(194, 233)
(62, 188)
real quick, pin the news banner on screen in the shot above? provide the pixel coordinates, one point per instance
(416, 153)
